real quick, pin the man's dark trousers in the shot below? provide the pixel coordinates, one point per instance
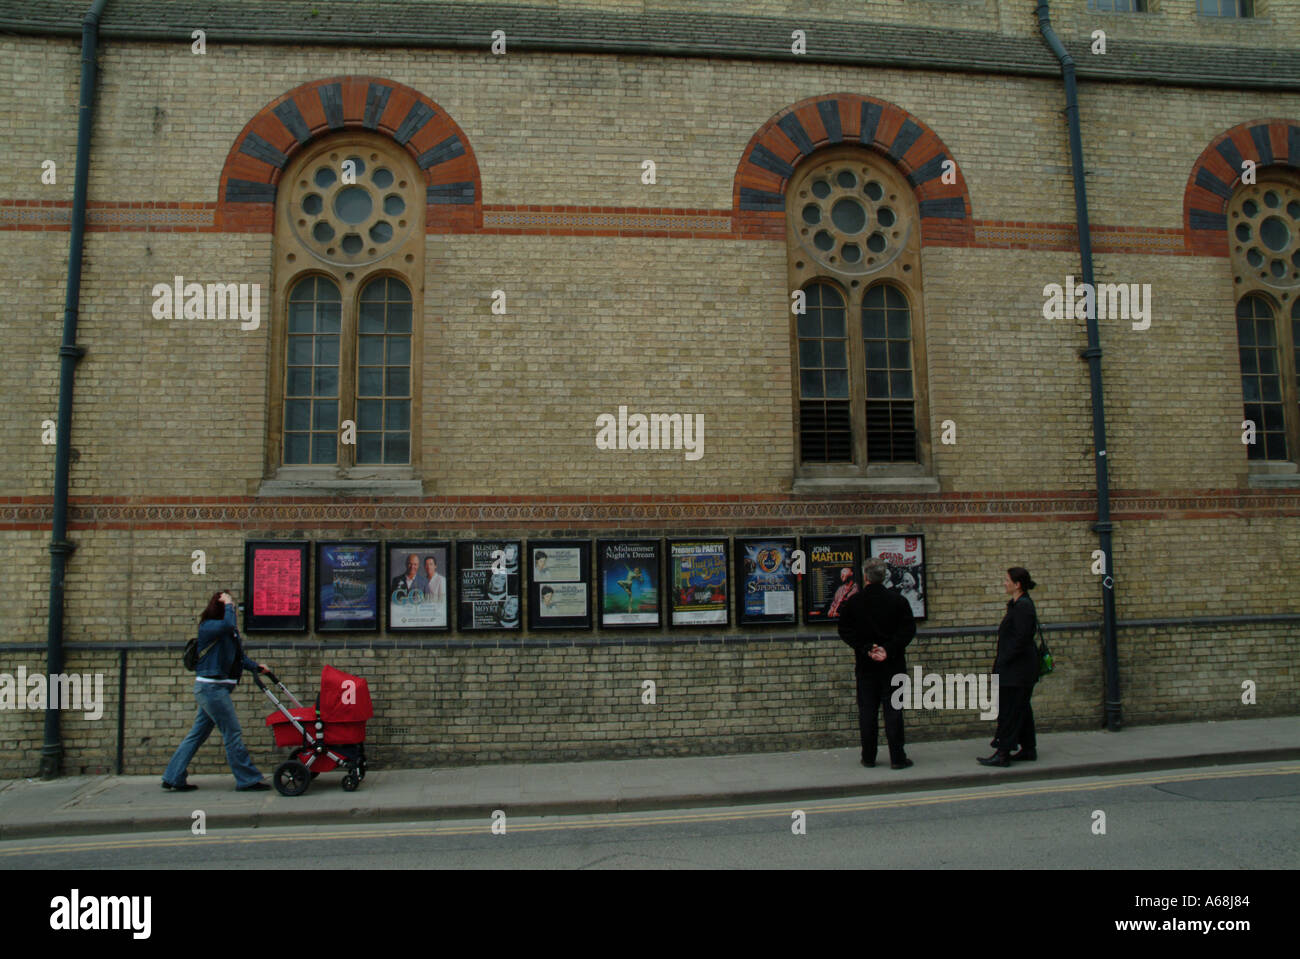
(874, 693)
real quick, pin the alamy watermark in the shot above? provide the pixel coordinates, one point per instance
(179, 300)
(946, 691)
(75, 912)
(651, 431)
(1106, 301)
(60, 691)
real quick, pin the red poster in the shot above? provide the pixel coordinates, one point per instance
(277, 576)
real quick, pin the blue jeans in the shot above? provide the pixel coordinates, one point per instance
(215, 709)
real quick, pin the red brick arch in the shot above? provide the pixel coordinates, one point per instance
(769, 160)
(1217, 173)
(251, 175)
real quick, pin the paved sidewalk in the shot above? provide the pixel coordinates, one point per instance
(105, 804)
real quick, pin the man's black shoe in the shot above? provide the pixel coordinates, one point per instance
(869, 765)
(253, 788)
(903, 765)
(997, 759)
(183, 788)
(1024, 756)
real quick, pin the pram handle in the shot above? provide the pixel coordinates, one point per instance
(258, 679)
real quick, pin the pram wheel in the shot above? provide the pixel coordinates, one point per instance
(291, 778)
(351, 782)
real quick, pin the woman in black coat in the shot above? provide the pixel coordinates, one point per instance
(1016, 667)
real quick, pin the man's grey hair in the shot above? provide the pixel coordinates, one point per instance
(875, 570)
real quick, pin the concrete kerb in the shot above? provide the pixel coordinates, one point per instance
(283, 814)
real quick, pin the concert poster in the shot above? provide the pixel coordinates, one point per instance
(627, 578)
(905, 557)
(697, 570)
(418, 579)
(559, 584)
(347, 587)
(275, 586)
(765, 584)
(834, 573)
(488, 583)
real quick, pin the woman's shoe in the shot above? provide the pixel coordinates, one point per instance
(253, 788)
(182, 788)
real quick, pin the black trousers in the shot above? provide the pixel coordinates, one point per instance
(1015, 719)
(874, 691)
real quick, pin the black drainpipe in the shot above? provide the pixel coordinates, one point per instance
(1110, 648)
(69, 354)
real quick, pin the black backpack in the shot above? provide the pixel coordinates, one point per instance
(191, 656)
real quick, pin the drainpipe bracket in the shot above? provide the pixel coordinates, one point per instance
(63, 547)
(1103, 526)
(76, 352)
(1092, 352)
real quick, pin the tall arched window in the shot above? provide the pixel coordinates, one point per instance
(349, 264)
(853, 242)
(1264, 226)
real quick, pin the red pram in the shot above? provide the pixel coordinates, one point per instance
(331, 733)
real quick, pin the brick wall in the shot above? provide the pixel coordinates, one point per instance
(177, 410)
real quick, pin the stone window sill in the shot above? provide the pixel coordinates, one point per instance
(1274, 476)
(329, 481)
(879, 479)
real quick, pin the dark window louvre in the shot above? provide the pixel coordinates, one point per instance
(825, 435)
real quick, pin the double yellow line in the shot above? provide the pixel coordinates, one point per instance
(634, 820)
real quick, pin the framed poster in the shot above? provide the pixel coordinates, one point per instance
(418, 578)
(834, 574)
(697, 571)
(347, 586)
(275, 586)
(905, 556)
(559, 584)
(627, 580)
(487, 577)
(765, 585)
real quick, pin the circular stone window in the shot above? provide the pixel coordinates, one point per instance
(856, 226)
(351, 210)
(1265, 222)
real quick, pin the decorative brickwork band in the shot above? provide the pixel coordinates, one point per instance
(738, 513)
(250, 177)
(769, 160)
(1217, 173)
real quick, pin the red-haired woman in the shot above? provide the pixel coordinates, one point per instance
(221, 661)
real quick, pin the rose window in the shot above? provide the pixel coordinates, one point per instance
(848, 218)
(356, 222)
(1264, 227)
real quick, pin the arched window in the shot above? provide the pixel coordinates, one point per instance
(1264, 225)
(853, 243)
(349, 263)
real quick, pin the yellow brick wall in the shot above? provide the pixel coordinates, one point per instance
(178, 408)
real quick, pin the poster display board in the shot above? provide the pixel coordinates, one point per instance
(559, 584)
(905, 556)
(275, 586)
(765, 584)
(418, 577)
(834, 574)
(347, 586)
(628, 582)
(697, 571)
(487, 591)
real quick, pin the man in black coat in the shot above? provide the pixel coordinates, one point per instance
(878, 625)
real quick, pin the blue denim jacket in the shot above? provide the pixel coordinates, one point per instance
(222, 636)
